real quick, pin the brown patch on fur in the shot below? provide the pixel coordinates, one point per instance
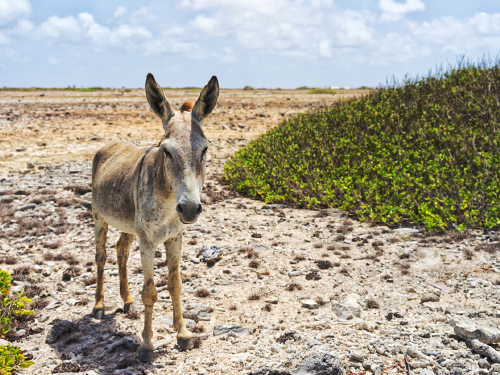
(186, 107)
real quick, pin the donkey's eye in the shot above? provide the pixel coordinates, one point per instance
(204, 152)
(167, 154)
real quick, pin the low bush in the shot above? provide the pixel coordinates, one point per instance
(12, 308)
(322, 91)
(424, 152)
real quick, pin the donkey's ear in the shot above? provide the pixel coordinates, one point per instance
(157, 101)
(207, 100)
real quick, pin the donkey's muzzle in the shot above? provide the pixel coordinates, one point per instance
(188, 212)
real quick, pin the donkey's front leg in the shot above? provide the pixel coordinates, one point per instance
(149, 298)
(173, 249)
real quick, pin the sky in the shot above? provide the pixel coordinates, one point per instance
(261, 43)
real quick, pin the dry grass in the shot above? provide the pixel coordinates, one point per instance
(254, 264)
(299, 258)
(254, 297)
(340, 237)
(267, 307)
(256, 235)
(372, 303)
(162, 281)
(198, 329)
(324, 264)
(133, 315)
(8, 260)
(70, 272)
(233, 308)
(89, 281)
(313, 276)
(331, 248)
(293, 286)
(318, 245)
(202, 293)
(192, 242)
(320, 301)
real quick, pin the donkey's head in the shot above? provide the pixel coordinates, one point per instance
(184, 145)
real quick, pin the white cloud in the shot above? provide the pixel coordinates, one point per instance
(394, 11)
(479, 32)
(324, 48)
(11, 10)
(120, 11)
(84, 29)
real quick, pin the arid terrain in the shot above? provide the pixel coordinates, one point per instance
(291, 282)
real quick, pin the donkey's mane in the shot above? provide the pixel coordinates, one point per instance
(187, 106)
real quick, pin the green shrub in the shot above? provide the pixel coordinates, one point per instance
(425, 152)
(303, 88)
(12, 359)
(322, 91)
(248, 88)
(10, 308)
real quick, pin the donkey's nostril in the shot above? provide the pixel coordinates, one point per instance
(199, 209)
(179, 208)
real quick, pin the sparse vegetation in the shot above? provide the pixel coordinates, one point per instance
(322, 91)
(423, 152)
(202, 293)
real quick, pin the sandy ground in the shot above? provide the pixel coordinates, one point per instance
(375, 293)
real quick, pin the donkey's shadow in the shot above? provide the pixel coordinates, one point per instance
(90, 343)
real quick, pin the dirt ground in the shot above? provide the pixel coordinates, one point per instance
(290, 281)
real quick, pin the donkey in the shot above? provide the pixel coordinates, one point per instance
(150, 192)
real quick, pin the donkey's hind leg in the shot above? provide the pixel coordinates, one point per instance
(122, 252)
(101, 233)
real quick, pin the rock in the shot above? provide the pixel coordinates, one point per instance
(203, 316)
(66, 367)
(309, 303)
(127, 342)
(418, 364)
(318, 363)
(467, 329)
(495, 367)
(366, 325)
(211, 254)
(53, 305)
(341, 311)
(47, 272)
(26, 207)
(21, 333)
(195, 260)
(220, 329)
(405, 230)
(59, 328)
(429, 298)
(356, 357)
(272, 299)
(485, 350)
(190, 314)
(87, 205)
(415, 353)
(295, 273)
(333, 212)
(483, 363)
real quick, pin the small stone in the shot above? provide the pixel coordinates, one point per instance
(190, 314)
(195, 260)
(272, 299)
(59, 328)
(87, 205)
(417, 364)
(53, 305)
(127, 342)
(483, 363)
(47, 272)
(405, 230)
(495, 367)
(429, 298)
(203, 316)
(220, 329)
(21, 333)
(26, 207)
(366, 325)
(295, 273)
(309, 303)
(356, 357)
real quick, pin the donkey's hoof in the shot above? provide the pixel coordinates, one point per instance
(185, 343)
(131, 308)
(145, 355)
(98, 313)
